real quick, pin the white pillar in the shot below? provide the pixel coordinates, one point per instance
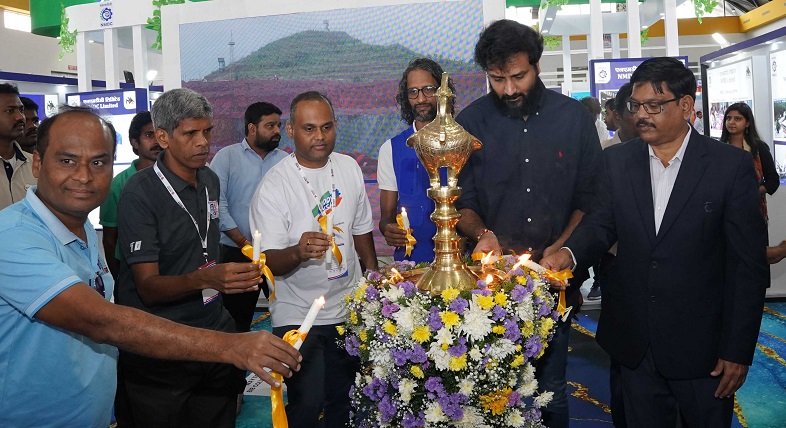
(615, 45)
(567, 66)
(83, 72)
(670, 26)
(595, 39)
(634, 29)
(140, 56)
(111, 60)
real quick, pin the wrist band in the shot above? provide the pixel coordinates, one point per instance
(483, 232)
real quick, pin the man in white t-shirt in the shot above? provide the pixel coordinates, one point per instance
(301, 202)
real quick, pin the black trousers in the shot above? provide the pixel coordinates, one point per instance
(322, 384)
(652, 400)
(241, 306)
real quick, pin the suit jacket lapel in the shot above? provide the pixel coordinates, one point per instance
(691, 171)
(638, 167)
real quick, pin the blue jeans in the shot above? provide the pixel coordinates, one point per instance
(550, 372)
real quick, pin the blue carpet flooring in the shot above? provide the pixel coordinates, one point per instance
(761, 403)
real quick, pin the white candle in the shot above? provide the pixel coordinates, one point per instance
(404, 218)
(329, 224)
(257, 244)
(309, 321)
(525, 261)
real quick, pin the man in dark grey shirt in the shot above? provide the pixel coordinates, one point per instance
(169, 235)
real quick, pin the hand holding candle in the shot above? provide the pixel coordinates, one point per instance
(256, 243)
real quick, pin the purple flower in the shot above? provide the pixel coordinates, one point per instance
(376, 389)
(532, 347)
(514, 399)
(399, 357)
(518, 293)
(389, 308)
(413, 421)
(434, 385)
(434, 320)
(498, 313)
(408, 287)
(458, 349)
(512, 331)
(459, 305)
(482, 291)
(417, 355)
(374, 276)
(544, 310)
(481, 284)
(387, 409)
(451, 405)
(517, 272)
(352, 345)
(372, 293)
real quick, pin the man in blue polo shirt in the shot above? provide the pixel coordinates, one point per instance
(402, 179)
(240, 167)
(58, 330)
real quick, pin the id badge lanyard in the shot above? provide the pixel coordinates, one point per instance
(179, 202)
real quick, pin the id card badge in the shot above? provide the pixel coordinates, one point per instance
(209, 295)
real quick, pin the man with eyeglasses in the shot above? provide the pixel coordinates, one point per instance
(534, 178)
(682, 309)
(58, 328)
(27, 140)
(402, 179)
(144, 143)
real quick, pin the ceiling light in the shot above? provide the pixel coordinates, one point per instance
(549, 19)
(718, 37)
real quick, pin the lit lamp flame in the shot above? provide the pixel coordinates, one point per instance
(395, 276)
(489, 279)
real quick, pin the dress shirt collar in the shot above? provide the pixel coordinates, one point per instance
(680, 152)
(49, 219)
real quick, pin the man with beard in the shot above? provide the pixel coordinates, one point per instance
(27, 141)
(403, 180)
(535, 177)
(143, 140)
(17, 164)
(240, 168)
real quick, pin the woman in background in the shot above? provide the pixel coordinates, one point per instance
(739, 130)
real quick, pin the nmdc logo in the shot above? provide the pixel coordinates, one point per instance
(106, 16)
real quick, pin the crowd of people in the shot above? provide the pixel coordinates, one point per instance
(155, 320)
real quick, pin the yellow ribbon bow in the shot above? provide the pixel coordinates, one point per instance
(563, 276)
(276, 394)
(411, 241)
(333, 247)
(248, 251)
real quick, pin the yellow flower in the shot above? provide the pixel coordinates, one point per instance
(495, 402)
(498, 329)
(449, 294)
(363, 335)
(458, 363)
(353, 317)
(485, 302)
(449, 318)
(421, 334)
(360, 292)
(545, 326)
(416, 371)
(521, 280)
(500, 299)
(340, 329)
(389, 328)
(519, 360)
(528, 329)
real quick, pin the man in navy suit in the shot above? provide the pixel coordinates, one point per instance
(684, 300)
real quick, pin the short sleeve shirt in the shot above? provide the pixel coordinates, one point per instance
(49, 377)
(153, 228)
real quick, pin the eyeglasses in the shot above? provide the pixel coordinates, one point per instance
(428, 92)
(651, 107)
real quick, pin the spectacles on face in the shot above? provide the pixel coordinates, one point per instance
(651, 107)
(428, 92)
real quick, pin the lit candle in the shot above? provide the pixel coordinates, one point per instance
(256, 243)
(309, 321)
(404, 218)
(526, 262)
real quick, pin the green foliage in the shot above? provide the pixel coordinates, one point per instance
(67, 38)
(703, 6)
(154, 22)
(645, 36)
(554, 3)
(552, 42)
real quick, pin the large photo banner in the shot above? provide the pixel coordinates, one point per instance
(355, 56)
(727, 85)
(778, 81)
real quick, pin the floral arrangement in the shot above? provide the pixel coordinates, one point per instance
(458, 359)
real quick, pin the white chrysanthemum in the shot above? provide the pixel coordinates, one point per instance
(514, 418)
(405, 389)
(440, 357)
(382, 361)
(475, 353)
(393, 293)
(369, 311)
(502, 348)
(434, 413)
(444, 337)
(476, 324)
(525, 310)
(405, 321)
(466, 386)
(527, 389)
(543, 399)
(528, 374)
(472, 418)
